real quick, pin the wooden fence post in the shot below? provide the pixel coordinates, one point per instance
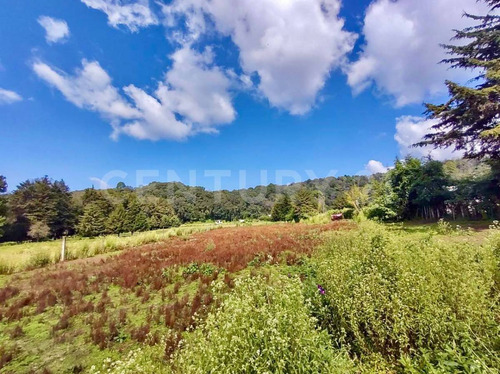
(63, 248)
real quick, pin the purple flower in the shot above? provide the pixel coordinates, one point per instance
(321, 290)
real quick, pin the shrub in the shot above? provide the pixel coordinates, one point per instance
(145, 360)
(443, 227)
(398, 297)
(348, 213)
(39, 260)
(262, 327)
(380, 213)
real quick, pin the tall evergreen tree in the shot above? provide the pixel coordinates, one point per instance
(470, 120)
(282, 209)
(305, 204)
(93, 222)
(117, 221)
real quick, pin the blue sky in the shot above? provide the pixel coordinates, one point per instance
(98, 91)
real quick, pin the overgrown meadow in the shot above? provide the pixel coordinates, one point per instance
(283, 298)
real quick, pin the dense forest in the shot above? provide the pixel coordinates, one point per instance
(413, 189)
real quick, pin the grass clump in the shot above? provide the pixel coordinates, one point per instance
(263, 326)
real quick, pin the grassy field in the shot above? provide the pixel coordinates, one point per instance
(280, 298)
(16, 257)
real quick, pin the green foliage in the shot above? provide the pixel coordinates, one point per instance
(282, 209)
(117, 222)
(39, 230)
(263, 326)
(357, 198)
(159, 213)
(398, 297)
(401, 179)
(305, 204)
(39, 260)
(380, 212)
(348, 213)
(140, 222)
(93, 221)
(469, 120)
(43, 200)
(195, 268)
(141, 360)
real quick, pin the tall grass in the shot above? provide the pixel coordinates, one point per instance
(17, 257)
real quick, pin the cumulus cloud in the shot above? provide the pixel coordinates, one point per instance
(410, 130)
(9, 97)
(193, 98)
(402, 48)
(132, 14)
(290, 45)
(56, 30)
(375, 167)
(89, 88)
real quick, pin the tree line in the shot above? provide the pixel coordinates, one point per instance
(421, 189)
(431, 190)
(412, 189)
(43, 208)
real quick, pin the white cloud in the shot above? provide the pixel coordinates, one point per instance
(375, 167)
(56, 30)
(89, 88)
(402, 51)
(291, 45)
(9, 97)
(132, 14)
(411, 130)
(193, 98)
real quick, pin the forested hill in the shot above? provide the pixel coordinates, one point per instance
(196, 203)
(413, 188)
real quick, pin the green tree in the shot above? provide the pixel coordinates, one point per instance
(305, 204)
(38, 230)
(117, 221)
(44, 200)
(402, 179)
(282, 209)
(92, 196)
(135, 219)
(357, 197)
(93, 222)
(159, 213)
(140, 223)
(470, 120)
(383, 199)
(429, 192)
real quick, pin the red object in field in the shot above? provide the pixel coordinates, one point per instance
(337, 217)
